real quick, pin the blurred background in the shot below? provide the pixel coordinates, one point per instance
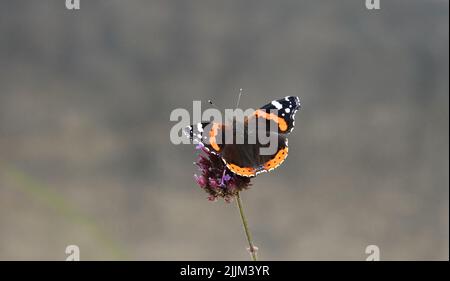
(85, 154)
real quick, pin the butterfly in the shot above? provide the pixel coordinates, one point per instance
(246, 158)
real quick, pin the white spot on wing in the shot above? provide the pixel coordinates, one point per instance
(187, 131)
(200, 127)
(277, 105)
(287, 110)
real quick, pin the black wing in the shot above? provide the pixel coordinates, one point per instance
(285, 110)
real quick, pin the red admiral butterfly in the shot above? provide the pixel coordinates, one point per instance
(246, 159)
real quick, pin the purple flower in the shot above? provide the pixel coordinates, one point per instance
(201, 181)
(216, 179)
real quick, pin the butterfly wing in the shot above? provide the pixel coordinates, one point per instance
(282, 111)
(207, 134)
(248, 159)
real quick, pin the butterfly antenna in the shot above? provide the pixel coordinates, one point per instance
(239, 97)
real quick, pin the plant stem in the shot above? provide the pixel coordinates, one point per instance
(252, 249)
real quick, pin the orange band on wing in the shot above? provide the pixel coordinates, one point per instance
(282, 125)
(246, 172)
(212, 136)
(277, 160)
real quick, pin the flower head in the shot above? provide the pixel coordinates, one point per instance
(216, 179)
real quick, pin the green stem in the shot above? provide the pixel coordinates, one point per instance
(252, 249)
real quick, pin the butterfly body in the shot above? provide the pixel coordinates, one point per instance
(245, 154)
